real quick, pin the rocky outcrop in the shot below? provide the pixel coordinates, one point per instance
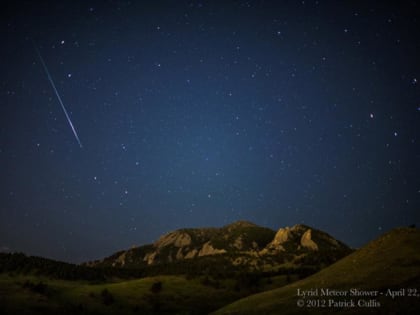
(191, 254)
(179, 254)
(120, 261)
(238, 244)
(149, 258)
(208, 249)
(281, 236)
(178, 239)
(306, 240)
(295, 238)
(275, 245)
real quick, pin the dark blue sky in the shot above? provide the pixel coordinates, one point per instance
(202, 113)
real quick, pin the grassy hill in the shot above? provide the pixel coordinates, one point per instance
(36, 285)
(153, 295)
(390, 262)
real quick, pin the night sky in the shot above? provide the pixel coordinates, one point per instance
(195, 114)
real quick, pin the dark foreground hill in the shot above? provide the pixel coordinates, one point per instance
(388, 269)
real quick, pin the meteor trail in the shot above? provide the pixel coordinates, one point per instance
(58, 95)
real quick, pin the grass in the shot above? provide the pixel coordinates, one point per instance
(177, 296)
(29, 294)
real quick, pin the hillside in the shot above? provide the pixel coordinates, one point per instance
(390, 262)
(31, 295)
(19, 263)
(240, 245)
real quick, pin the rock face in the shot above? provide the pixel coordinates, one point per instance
(191, 254)
(244, 242)
(120, 260)
(207, 249)
(281, 236)
(177, 239)
(307, 242)
(150, 257)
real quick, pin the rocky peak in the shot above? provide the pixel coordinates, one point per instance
(240, 224)
(296, 237)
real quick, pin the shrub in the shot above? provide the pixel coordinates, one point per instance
(39, 287)
(156, 287)
(107, 297)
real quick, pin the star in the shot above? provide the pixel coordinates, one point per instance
(182, 109)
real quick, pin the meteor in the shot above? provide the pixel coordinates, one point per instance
(58, 95)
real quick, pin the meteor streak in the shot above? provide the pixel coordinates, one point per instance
(58, 95)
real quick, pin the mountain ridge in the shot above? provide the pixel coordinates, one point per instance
(242, 242)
